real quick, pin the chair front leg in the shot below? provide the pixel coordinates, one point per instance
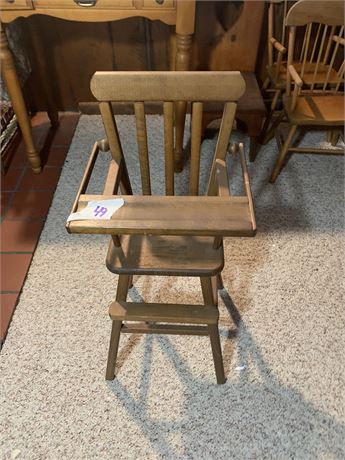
(121, 294)
(210, 295)
(282, 154)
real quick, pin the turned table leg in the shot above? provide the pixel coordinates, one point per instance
(40, 59)
(183, 52)
(185, 21)
(10, 77)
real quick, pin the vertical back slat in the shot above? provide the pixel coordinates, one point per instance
(303, 45)
(111, 131)
(222, 143)
(197, 108)
(315, 42)
(306, 47)
(319, 56)
(329, 44)
(168, 109)
(284, 22)
(139, 110)
(270, 33)
(114, 144)
(340, 76)
(330, 67)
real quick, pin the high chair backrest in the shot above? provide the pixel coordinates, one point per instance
(168, 88)
(312, 65)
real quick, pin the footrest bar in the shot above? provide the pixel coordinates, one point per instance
(143, 328)
(164, 313)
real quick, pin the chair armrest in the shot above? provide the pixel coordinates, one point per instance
(294, 75)
(338, 39)
(111, 184)
(247, 184)
(277, 45)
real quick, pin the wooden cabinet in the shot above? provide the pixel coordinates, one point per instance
(181, 14)
(104, 4)
(15, 4)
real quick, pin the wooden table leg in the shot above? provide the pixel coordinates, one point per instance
(184, 32)
(40, 59)
(10, 77)
(254, 124)
(183, 52)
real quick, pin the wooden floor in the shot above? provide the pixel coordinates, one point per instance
(25, 202)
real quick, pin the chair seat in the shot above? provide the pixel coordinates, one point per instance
(165, 255)
(308, 77)
(316, 110)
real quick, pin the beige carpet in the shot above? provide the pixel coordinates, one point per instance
(282, 328)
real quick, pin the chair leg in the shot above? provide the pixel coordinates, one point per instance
(209, 291)
(282, 154)
(220, 284)
(267, 134)
(121, 294)
(334, 136)
(275, 100)
(266, 83)
(210, 298)
(217, 353)
(113, 348)
(130, 282)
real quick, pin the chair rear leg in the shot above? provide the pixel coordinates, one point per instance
(267, 132)
(282, 154)
(217, 353)
(210, 298)
(130, 282)
(121, 294)
(266, 83)
(220, 284)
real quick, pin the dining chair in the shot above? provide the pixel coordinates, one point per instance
(167, 235)
(274, 83)
(304, 60)
(314, 96)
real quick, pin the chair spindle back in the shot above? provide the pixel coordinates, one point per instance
(169, 88)
(323, 24)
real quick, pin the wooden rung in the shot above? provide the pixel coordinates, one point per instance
(144, 328)
(166, 313)
(335, 151)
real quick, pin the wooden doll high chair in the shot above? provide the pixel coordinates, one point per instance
(167, 235)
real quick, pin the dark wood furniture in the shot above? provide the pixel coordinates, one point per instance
(167, 235)
(251, 110)
(180, 13)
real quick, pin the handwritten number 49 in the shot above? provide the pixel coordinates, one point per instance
(100, 211)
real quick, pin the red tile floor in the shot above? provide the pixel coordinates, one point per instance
(25, 201)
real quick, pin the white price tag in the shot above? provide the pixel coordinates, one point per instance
(94, 210)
